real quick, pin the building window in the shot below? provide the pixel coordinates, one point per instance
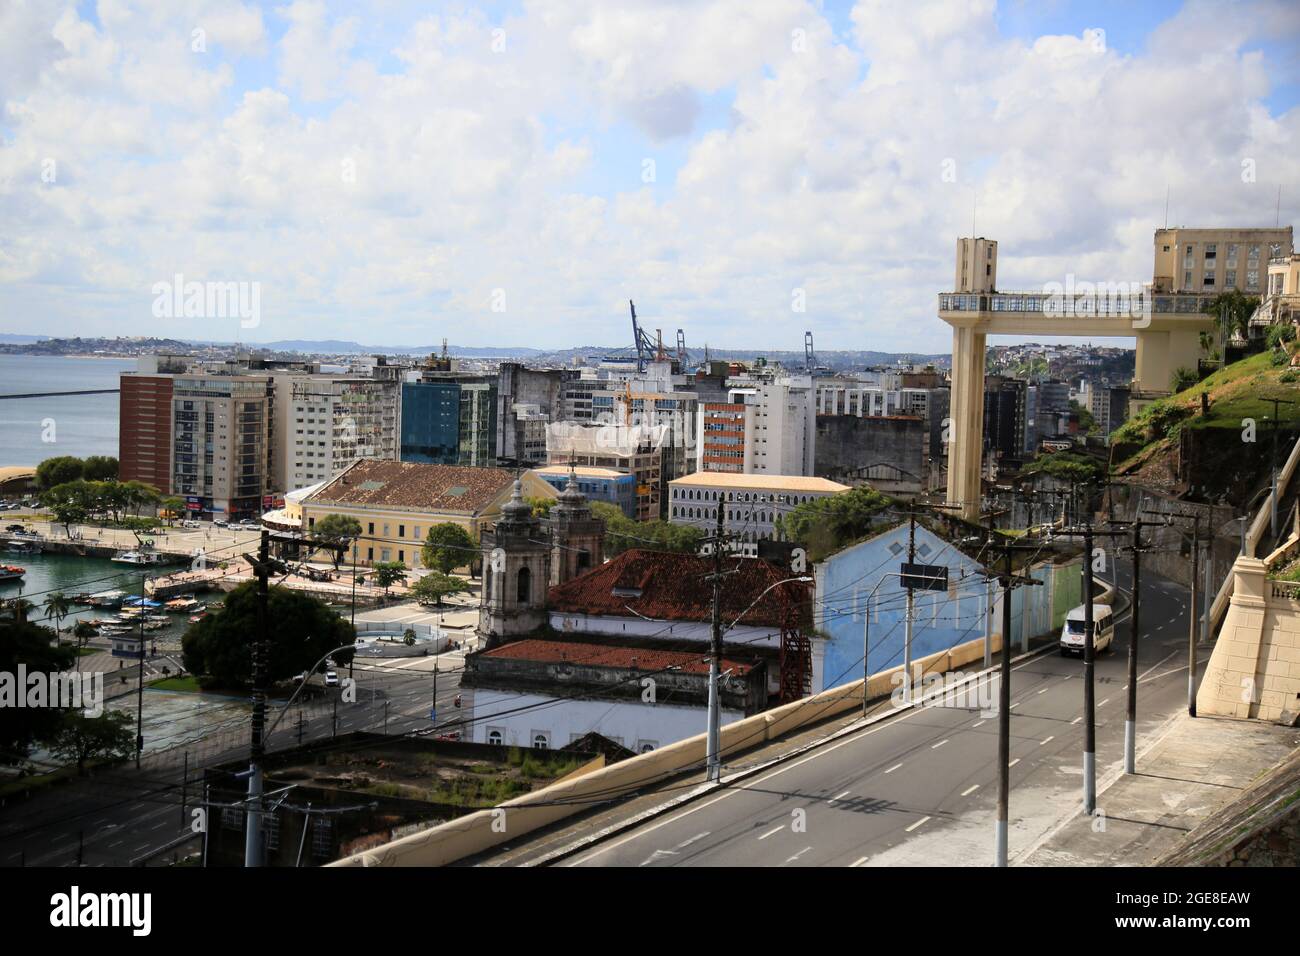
(541, 740)
(370, 528)
(523, 586)
(494, 736)
(271, 831)
(322, 836)
(401, 531)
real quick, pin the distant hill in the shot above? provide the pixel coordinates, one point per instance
(9, 338)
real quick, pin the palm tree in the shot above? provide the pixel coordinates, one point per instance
(57, 607)
(1232, 311)
(83, 632)
(20, 607)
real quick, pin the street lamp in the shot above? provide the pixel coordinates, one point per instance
(713, 757)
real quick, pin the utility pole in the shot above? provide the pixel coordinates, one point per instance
(1135, 633)
(1004, 696)
(253, 829)
(907, 627)
(1194, 624)
(139, 690)
(1004, 719)
(713, 759)
(866, 647)
(185, 780)
(301, 728)
(1089, 666)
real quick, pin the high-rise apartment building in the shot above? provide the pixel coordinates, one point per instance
(323, 423)
(221, 442)
(145, 421)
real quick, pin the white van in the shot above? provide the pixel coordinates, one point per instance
(1103, 630)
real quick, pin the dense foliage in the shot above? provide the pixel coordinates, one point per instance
(301, 629)
(826, 524)
(622, 533)
(447, 547)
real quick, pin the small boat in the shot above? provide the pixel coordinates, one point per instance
(198, 617)
(153, 625)
(106, 599)
(23, 547)
(185, 602)
(11, 572)
(137, 557)
(158, 618)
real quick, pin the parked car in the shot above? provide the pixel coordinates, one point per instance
(220, 523)
(15, 528)
(191, 523)
(331, 679)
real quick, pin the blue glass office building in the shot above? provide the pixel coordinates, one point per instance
(431, 422)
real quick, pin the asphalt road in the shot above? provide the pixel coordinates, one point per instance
(122, 814)
(922, 786)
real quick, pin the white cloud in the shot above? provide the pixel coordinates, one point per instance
(391, 179)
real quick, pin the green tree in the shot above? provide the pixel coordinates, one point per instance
(301, 630)
(57, 606)
(83, 632)
(339, 530)
(173, 505)
(623, 534)
(83, 738)
(388, 573)
(100, 468)
(57, 471)
(70, 503)
(1068, 466)
(1232, 311)
(447, 547)
(19, 608)
(826, 524)
(33, 646)
(541, 506)
(435, 586)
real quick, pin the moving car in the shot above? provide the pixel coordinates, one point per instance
(1103, 629)
(331, 679)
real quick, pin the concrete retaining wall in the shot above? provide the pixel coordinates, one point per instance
(485, 829)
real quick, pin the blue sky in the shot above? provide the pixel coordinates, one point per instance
(383, 173)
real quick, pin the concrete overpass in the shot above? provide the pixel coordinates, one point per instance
(1167, 328)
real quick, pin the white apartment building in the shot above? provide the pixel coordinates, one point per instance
(753, 502)
(323, 423)
(776, 419)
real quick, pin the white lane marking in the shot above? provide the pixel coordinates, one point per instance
(1075, 721)
(969, 790)
(1044, 690)
(841, 796)
(940, 743)
(1013, 763)
(1016, 704)
(859, 861)
(1104, 702)
(773, 830)
(118, 843)
(698, 836)
(764, 777)
(656, 855)
(791, 859)
(1048, 740)
(978, 724)
(915, 825)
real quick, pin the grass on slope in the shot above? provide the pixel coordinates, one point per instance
(1237, 392)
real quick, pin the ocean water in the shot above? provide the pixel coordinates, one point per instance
(78, 425)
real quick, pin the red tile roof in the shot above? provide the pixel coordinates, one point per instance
(403, 484)
(612, 655)
(666, 586)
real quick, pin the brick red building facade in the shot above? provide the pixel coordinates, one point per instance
(145, 436)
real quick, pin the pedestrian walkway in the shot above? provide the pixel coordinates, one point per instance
(1196, 767)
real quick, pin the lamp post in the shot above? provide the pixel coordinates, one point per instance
(713, 758)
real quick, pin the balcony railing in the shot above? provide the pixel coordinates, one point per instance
(1083, 305)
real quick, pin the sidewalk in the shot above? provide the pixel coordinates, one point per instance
(1195, 768)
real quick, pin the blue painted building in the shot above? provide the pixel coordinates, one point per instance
(598, 484)
(431, 422)
(941, 619)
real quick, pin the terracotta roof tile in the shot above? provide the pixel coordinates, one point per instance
(667, 586)
(404, 484)
(612, 655)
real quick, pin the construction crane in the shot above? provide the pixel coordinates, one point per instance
(641, 341)
(682, 354)
(809, 357)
